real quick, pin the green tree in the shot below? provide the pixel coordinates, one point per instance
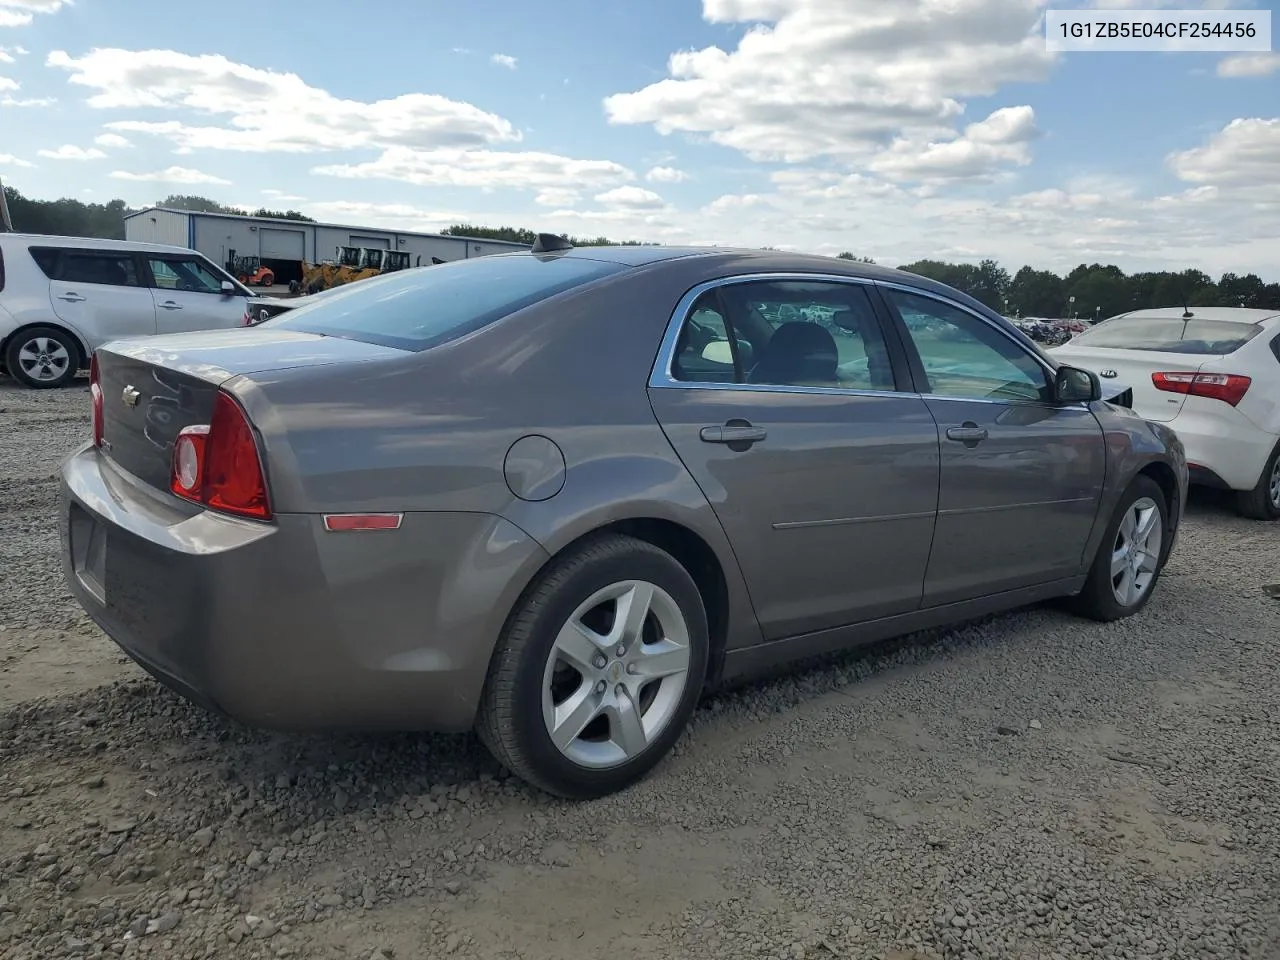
(1037, 293)
(66, 217)
(849, 256)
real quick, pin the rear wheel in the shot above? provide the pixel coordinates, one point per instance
(1263, 501)
(1130, 557)
(43, 357)
(598, 669)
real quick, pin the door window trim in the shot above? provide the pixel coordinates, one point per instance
(661, 376)
(917, 364)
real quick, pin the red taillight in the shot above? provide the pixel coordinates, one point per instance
(95, 396)
(1227, 387)
(218, 464)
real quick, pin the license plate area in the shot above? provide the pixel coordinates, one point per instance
(89, 552)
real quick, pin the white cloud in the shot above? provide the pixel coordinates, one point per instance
(503, 60)
(280, 196)
(180, 175)
(7, 84)
(819, 81)
(266, 111)
(556, 197)
(69, 151)
(480, 168)
(19, 13)
(27, 101)
(1002, 138)
(392, 215)
(1249, 65)
(9, 160)
(666, 175)
(112, 140)
(1245, 153)
(636, 198)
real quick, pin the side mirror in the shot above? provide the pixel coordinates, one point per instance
(229, 289)
(1073, 385)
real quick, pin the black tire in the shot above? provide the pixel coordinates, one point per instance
(510, 721)
(64, 340)
(1261, 503)
(1098, 600)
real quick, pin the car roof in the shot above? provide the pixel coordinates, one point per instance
(1234, 314)
(88, 243)
(766, 261)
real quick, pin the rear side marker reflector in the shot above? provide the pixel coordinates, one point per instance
(346, 522)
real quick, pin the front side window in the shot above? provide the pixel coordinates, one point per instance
(964, 356)
(185, 274)
(92, 266)
(785, 333)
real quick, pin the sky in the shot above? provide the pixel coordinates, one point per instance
(894, 129)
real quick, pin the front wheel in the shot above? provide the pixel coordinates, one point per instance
(598, 670)
(1130, 557)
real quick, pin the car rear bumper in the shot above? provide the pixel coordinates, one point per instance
(288, 626)
(1226, 450)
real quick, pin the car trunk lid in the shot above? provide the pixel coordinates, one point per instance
(153, 387)
(1134, 369)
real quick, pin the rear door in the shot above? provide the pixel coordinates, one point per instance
(188, 295)
(781, 399)
(1021, 476)
(98, 292)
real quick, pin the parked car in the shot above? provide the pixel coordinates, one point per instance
(555, 495)
(62, 297)
(1213, 375)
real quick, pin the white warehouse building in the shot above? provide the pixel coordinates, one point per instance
(283, 245)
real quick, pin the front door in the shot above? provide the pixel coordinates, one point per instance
(188, 296)
(98, 292)
(781, 400)
(1021, 475)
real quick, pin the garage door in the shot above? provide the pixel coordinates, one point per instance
(377, 243)
(282, 244)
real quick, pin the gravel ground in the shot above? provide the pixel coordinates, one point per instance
(1028, 786)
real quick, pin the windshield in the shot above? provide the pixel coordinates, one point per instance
(417, 309)
(1169, 335)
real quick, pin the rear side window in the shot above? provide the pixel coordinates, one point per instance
(88, 266)
(1170, 335)
(46, 259)
(419, 308)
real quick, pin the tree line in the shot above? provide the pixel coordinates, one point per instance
(1089, 291)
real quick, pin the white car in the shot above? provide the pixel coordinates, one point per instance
(1210, 373)
(63, 297)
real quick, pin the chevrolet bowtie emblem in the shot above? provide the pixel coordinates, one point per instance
(130, 396)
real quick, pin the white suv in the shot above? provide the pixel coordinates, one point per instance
(63, 297)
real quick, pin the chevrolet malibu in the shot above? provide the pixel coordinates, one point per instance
(555, 495)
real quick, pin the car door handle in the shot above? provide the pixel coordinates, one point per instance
(71, 297)
(170, 305)
(733, 433)
(969, 434)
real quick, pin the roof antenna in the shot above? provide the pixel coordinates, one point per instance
(549, 243)
(1186, 312)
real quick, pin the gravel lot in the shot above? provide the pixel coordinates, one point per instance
(1030, 786)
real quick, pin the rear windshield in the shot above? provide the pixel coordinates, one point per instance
(1170, 335)
(425, 306)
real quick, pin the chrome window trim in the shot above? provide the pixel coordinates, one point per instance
(660, 376)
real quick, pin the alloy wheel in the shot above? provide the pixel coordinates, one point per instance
(1273, 488)
(43, 358)
(1135, 556)
(615, 674)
